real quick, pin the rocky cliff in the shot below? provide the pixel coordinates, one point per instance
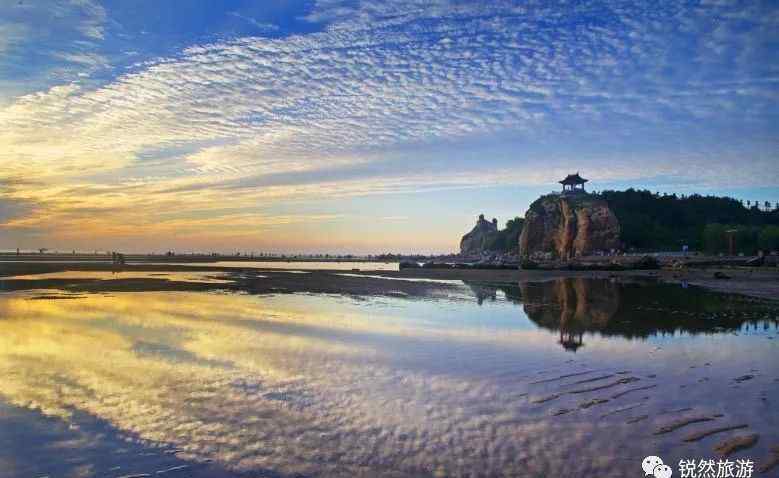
(567, 226)
(476, 241)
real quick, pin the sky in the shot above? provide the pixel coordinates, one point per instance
(366, 126)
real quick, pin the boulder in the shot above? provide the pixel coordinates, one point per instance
(568, 226)
(477, 241)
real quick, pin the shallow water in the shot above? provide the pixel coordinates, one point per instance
(565, 378)
(202, 277)
(300, 265)
(405, 279)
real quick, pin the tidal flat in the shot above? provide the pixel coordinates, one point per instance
(223, 373)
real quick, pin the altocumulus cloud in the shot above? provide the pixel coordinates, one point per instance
(336, 112)
(48, 41)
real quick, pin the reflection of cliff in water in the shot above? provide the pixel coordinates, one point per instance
(572, 306)
(485, 292)
(576, 306)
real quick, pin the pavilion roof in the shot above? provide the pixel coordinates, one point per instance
(573, 179)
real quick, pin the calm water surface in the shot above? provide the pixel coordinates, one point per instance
(564, 378)
(300, 265)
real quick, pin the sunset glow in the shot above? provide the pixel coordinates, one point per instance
(336, 125)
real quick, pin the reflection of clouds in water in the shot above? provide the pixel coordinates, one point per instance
(202, 277)
(254, 384)
(293, 403)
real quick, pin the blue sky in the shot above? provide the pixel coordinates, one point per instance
(366, 126)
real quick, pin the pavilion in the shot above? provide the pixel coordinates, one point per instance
(573, 183)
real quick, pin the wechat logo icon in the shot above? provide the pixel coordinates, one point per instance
(654, 466)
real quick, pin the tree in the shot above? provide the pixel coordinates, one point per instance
(715, 238)
(506, 240)
(652, 222)
(768, 239)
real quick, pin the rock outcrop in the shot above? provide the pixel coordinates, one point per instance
(477, 241)
(566, 226)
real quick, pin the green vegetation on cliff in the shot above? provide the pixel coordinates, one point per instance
(486, 238)
(667, 222)
(506, 240)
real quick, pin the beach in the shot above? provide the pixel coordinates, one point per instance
(754, 282)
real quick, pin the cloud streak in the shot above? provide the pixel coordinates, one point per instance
(350, 109)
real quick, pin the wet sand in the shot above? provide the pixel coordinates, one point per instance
(752, 282)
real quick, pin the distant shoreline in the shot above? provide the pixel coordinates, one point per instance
(762, 283)
(182, 258)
